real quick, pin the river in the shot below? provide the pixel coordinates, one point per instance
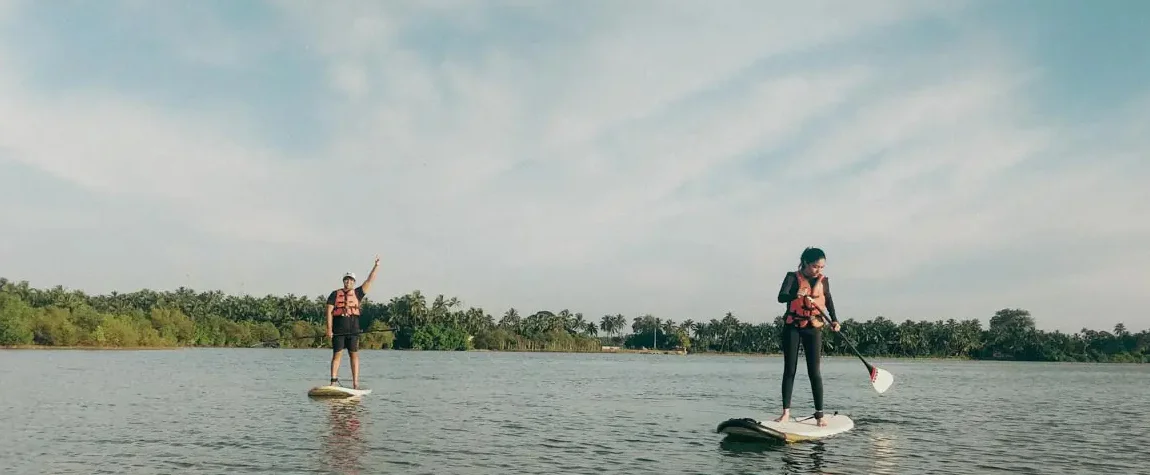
(189, 411)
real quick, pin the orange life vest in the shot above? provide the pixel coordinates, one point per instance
(346, 303)
(803, 312)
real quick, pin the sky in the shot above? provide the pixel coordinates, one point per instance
(643, 156)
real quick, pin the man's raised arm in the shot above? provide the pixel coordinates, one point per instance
(371, 276)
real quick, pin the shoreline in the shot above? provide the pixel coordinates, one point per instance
(620, 351)
(617, 351)
(96, 348)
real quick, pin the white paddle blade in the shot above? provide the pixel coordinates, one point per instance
(881, 380)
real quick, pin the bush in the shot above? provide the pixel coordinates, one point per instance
(15, 321)
(439, 337)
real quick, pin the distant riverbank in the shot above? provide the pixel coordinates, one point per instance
(96, 348)
(616, 351)
(33, 318)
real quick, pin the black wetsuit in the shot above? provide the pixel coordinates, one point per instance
(811, 339)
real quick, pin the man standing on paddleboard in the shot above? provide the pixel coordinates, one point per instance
(805, 291)
(342, 311)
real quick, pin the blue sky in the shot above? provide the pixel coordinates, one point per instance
(665, 157)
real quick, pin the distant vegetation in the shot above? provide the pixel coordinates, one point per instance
(147, 318)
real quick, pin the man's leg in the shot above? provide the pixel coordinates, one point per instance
(337, 344)
(353, 352)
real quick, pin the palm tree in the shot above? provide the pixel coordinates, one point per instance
(511, 321)
(590, 329)
(607, 324)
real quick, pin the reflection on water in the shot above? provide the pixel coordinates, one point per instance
(883, 455)
(803, 457)
(343, 442)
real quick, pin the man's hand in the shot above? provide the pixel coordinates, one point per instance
(377, 260)
(329, 333)
(835, 326)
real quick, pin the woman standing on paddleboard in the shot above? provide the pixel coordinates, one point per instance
(805, 292)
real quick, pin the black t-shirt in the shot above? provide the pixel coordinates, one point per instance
(344, 323)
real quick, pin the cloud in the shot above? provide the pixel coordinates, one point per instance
(670, 157)
(121, 146)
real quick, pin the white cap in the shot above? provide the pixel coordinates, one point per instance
(349, 274)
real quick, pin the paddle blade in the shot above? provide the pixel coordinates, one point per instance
(881, 379)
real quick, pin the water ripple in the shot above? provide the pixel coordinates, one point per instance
(461, 413)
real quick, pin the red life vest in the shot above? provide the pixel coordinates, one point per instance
(803, 312)
(346, 303)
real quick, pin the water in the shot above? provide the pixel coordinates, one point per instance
(246, 411)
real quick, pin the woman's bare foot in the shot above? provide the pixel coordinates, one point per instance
(819, 419)
(785, 417)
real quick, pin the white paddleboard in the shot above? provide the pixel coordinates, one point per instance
(336, 391)
(794, 430)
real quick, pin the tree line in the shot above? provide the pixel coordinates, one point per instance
(184, 317)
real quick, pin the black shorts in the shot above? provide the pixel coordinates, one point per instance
(339, 342)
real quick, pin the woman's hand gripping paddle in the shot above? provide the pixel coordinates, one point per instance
(880, 378)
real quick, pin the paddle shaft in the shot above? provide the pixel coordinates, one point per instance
(317, 336)
(360, 333)
(852, 347)
(826, 318)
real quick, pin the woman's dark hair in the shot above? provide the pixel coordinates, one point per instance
(811, 254)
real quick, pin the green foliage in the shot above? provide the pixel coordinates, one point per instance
(53, 326)
(1011, 336)
(16, 319)
(377, 341)
(56, 317)
(439, 337)
(498, 339)
(658, 339)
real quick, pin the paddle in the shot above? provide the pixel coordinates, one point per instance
(264, 343)
(880, 378)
